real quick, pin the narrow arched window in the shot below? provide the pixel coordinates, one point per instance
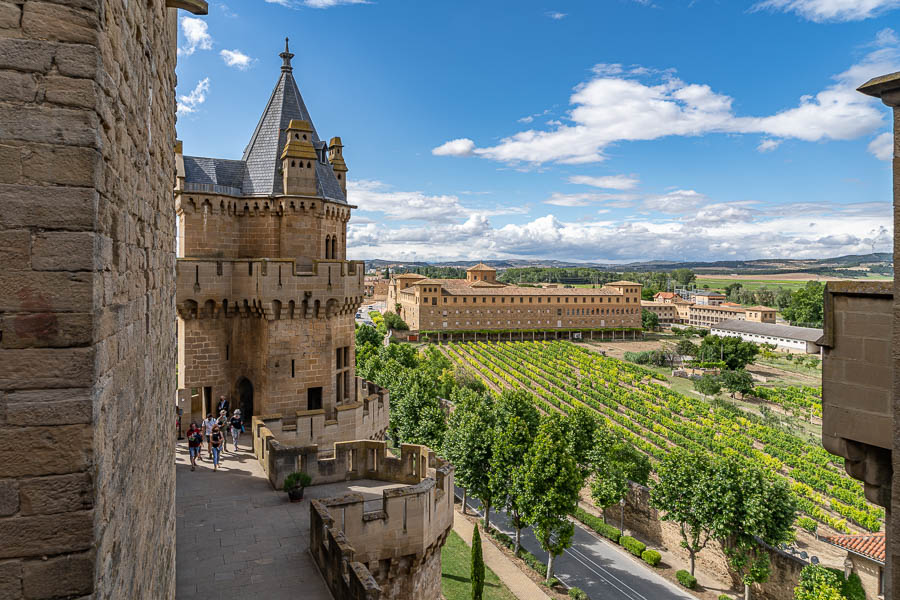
(334, 247)
(327, 246)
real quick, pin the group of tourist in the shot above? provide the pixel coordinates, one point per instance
(213, 431)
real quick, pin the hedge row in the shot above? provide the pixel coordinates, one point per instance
(632, 545)
(686, 579)
(530, 559)
(639, 549)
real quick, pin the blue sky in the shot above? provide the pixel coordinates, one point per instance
(588, 131)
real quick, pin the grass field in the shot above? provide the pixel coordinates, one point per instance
(455, 566)
(719, 283)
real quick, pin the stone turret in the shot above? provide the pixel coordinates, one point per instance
(336, 158)
(298, 160)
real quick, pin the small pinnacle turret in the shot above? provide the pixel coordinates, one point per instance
(286, 57)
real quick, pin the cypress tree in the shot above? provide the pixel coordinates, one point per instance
(477, 574)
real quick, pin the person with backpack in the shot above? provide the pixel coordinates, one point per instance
(215, 441)
(195, 443)
(237, 427)
(208, 424)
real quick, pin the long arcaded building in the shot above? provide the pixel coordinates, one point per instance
(479, 302)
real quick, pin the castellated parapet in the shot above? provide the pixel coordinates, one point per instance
(392, 552)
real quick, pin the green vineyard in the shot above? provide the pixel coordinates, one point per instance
(654, 418)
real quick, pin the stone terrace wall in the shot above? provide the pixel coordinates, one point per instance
(403, 537)
(644, 523)
(87, 126)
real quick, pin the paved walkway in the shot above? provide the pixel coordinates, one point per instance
(511, 576)
(237, 538)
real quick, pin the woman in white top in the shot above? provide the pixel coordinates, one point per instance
(208, 424)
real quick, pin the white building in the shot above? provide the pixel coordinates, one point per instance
(787, 337)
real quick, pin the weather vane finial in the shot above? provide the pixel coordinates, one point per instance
(286, 57)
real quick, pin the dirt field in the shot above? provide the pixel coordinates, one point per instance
(785, 277)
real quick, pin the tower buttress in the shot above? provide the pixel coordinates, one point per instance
(298, 160)
(336, 158)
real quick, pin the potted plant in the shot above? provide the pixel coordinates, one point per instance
(294, 484)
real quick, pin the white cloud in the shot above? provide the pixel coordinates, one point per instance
(236, 58)
(189, 103)
(831, 10)
(882, 147)
(610, 182)
(618, 105)
(768, 144)
(558, 199)
(527, 119)
(457, 147)
(675, 202)
(195, 34)
(557, 16)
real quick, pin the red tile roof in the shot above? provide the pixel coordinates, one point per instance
(870, 546)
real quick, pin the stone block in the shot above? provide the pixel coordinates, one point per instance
(78, 60)
(49, 125)
(11, 159)
(49, 407)
(45, 291)
(61, 576)
(56, 494)
(63, 251)
(11, 580)
(70, 91)
(46, 207)
(45, 20)
(46, 534)
(10, 15)
(45, 330)
(16, 86)
(61, 165)
(33, 451)
(9, 497)
(26, 55)
(15, 248)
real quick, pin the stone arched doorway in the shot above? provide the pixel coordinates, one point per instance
(245, 399)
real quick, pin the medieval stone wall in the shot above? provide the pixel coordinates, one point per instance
(87, 123)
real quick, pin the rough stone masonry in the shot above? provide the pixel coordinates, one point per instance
(87, 343)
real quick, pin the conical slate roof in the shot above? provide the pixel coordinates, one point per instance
(262, 157)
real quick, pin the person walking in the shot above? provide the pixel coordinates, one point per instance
(195, 443)
(222, 405)
(222, 422)
(237, 427)
(208, 424)
(215, 440)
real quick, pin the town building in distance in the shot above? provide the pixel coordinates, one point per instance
(786, 337)
(705, 310)
(481, 303)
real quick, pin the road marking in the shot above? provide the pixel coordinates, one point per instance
(612, 578)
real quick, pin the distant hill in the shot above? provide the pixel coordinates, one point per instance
(880, 263)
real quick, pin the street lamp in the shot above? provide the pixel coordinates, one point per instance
(622, 513)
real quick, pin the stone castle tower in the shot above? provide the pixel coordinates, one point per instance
(265, 295)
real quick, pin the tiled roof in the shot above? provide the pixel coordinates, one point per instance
(806, 334)
(460, 287)
(409, 276)
(709, 293)
(481, 267)
(664, 294)
(870, 546)
(623, 283)
(260, 164)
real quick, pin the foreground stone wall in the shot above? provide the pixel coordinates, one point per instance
(400, 541)
(87, 123)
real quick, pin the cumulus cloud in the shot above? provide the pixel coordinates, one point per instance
(622, 104)
(558, 199)
(831, 10)
(235, 58)
(457, 147)
(557, 16)
(196, 36)
(189, 103)
(768, 144)
(882, 147)
(675, 202)
(609, 182)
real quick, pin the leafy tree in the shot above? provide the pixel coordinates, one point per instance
(683, 276)
(468, 444)
(550, 487)
(393, 321)
(615, 462)
(737, 382)
(807, 305)
(416, 413)
(476, 575)
(582, 424)
(707, 385)
(517, 421)
(733, 291)
(649, 320)
(819, 583)
(366, 334)
(735, 352)
(757, 505)
(687, 348)
(464, 377)
(686, 494)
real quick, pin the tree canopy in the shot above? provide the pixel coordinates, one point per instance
(807, 305)
(733, 351)
(614, 462)
(737, 382)
(469, 443)
(649, 320)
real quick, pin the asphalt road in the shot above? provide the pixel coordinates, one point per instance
(602, 570)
